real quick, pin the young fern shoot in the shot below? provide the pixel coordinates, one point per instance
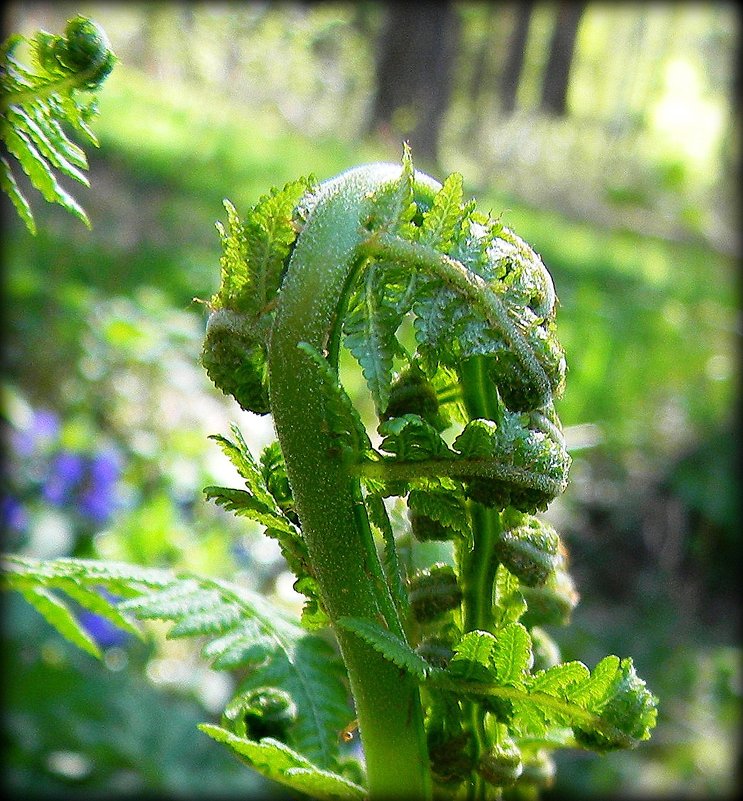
(35, 103)
(457, 689)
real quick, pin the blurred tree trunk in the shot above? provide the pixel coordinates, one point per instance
(562, 48)
(485, 61)
(511, 76)
(415, 60)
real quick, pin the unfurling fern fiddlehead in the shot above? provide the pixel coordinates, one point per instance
(458, 690)
(34, 103)
(451, 318)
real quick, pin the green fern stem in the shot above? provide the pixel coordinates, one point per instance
(391, 470)
(477, 567)
(327, 492)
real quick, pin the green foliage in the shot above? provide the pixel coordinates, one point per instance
(277, 761)
(37, 102)
(390, 646)
(255, 250)
(242, 631)
(451, 318)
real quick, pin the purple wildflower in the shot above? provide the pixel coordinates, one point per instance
(105, 633)
(102, 630)
(66, 473)
(43, 430)
(99, 497)
(13, 515)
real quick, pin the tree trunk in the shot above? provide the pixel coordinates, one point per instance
(515, 62)
(562, 48)
(415, 59)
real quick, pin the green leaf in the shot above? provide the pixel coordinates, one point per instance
(442, 220)
(282, 764)
(444, 506)
(388, 644)
(255, 249)
(42, 137)
(379, 518)
(243, 503)
(239, 454)
(512, 655)
(411, 439)
(509, 602)
(93, 601)
(245, 632)
(627, 709)
(594, 687)
(473, 657)
(477, 440)
(558, 679)
(40, 173)
(370, 327)
(9, 185)
(392, 207)
(257, 502)
(58, 615)
(346, 431)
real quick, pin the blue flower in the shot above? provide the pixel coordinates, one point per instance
(43, 430)
(99, 497)
(13, 515)
(102, 630)
(105, 633)
(66, 473)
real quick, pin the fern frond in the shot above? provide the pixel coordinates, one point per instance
(447, 508)
(277, 761)
(344, 427)
(388, 644)
(379, 518)
(442, 220)
(509, 604)
(473, 657)
(392, 207)
(609, 708)
(257, 502)
(34, 103)
(370, 326)
(512, 655)
(242, 630)
(411, 439)
(255, 249)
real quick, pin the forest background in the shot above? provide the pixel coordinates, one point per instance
(606, 135)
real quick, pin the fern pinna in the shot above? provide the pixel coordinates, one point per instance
(457, 686)
(36, 102)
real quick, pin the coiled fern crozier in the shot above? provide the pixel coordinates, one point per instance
(456, 687)
(36, 102)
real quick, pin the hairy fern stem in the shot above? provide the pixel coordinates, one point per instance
(327, 496)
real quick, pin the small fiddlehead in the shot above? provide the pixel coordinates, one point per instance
(34, 103)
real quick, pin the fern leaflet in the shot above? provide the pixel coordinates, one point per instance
(255, 249)
(388, 644)
(277, 761)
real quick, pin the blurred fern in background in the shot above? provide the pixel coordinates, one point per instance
(37, 102)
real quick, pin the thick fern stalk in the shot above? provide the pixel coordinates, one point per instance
(328, 495)
(36, 103)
